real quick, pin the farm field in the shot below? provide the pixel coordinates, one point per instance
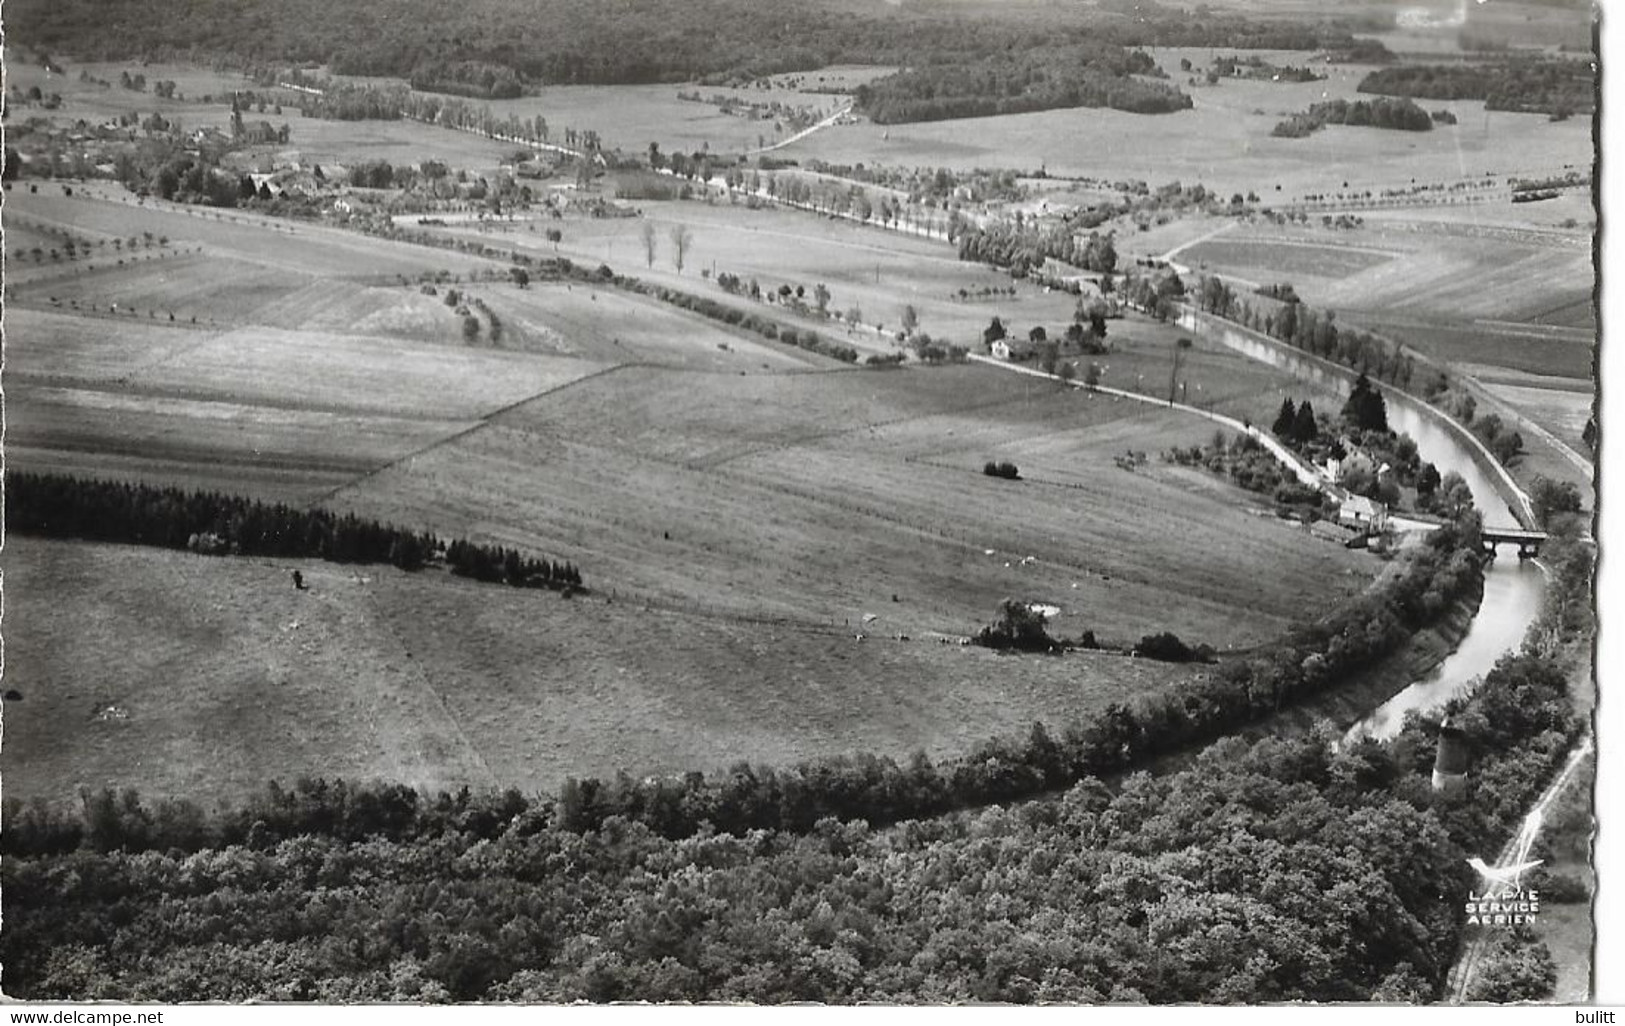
(286, 415)
(1223, 142)
(436, 682)
(1562, 402)
(821, 498)
(1495, 299)
(630, 117)
(879, 272)
(296, 248)
(618, 327)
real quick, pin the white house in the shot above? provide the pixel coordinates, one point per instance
(1359, 511)
(1012, 349)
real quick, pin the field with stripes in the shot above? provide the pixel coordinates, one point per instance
(783, 551)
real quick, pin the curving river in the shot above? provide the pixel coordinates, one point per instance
(1513, 588)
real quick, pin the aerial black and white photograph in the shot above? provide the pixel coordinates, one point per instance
(851, 502)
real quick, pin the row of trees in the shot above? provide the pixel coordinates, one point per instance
(66, 507)
(1316, 332)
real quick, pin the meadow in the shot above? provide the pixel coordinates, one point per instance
(1224, 141)
(437, 682)
(877, 271)
(743, 509)
(827, 497)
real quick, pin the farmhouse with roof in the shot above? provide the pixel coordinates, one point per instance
(1359, 511)
(1012, 349)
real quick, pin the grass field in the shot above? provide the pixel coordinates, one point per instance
(826, 497)
(436, 682)
(271, 412)
(630, 117)
(877, 271)
(302, 249)
(619, 327)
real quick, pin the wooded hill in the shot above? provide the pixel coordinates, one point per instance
(479, 46)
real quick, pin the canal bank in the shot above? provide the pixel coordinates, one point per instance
(1513, 589)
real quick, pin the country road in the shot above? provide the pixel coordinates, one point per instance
(1305, 474)
(809, 130)
(1465, 970)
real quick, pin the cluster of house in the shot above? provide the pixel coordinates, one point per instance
(1356, 511)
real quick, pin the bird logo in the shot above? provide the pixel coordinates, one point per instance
(1505, 881)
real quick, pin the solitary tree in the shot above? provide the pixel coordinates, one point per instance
(1304, 428)
(993, 332)
(911, 318)
(1180, 347)
(1427, 480)
(647, 233)
(1049, 354)
(1285, 419)
(681, 238)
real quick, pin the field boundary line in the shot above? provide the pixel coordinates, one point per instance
(483, 421)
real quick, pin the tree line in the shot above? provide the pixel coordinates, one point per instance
(1316, 332)
(1093, 75)
(56, 506)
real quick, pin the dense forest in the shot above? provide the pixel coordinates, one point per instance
(480, 47)
(214, 524)
(1557, 87)
(1019, 82)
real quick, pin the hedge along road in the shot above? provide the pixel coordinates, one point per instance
(1304, 473)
